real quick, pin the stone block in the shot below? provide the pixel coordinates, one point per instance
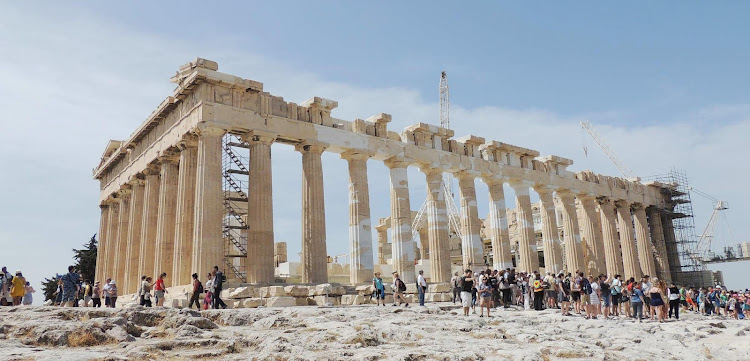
(225, 293)
(388, 298)
(347, 299)
(251, 303)
(439, 287)
(235, 304)
(263, 292)
(276, 291)
(321, 300)
(410, 298)
(175, 303)
(447, 297)
(243, 292)
(338, 290)
(365, 290)
(281, 302)
(296, 291)
(411, 288)
(323, 289)
(301, 301)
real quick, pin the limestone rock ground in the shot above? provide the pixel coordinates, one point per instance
(435, 332)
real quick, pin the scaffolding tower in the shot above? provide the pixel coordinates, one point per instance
(234, 170)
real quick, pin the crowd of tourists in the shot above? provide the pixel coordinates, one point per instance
(602, 296)
(14, 289)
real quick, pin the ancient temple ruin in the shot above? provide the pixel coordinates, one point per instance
(173, 199)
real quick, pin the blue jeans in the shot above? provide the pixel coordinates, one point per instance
(421, 295)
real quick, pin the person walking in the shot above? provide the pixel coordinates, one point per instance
(421, 287)
(616, 293)
(96, 296)
(197, 290)
(637, 300)
(5, 284)
(105, 292)
(146, 291)
(399, 287)
(209, 290)
(467, 283)
(70, 287)
(563, 287)
(218, 284)
(485, 296)
(455, 283)
(18, 288)
(605, 291)
(88, 291)
(673, 294)
(160, 290)
(379, 286)
(112, 291)
(27, 297)
(657, 302)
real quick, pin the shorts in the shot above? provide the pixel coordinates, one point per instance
(585, 299)
(576, 295)
(68, 296)
(159, 295)
(380, 294)
(465, 299)
(485, 300)
(563, 297)
(551, 293)
(616, 299)
(607, 301)
(86, 299)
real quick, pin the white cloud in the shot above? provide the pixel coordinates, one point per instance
(67, 89)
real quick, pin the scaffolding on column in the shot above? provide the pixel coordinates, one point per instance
(234, 171)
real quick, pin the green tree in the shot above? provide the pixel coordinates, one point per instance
(49, 286)
(86, 259)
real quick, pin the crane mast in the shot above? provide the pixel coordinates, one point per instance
(626, 172)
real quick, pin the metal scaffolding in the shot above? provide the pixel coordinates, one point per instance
(234, 171)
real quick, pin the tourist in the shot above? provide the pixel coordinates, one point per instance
(525, 291)
(646, 289)
(18, 288)
(399, 287)
(456, 285)
(657, 302)
(27, 297)
(96, 297)
(616, 294)
(160, 290)
(626, 292)
(105, 292)
(467, 283)
(595, 297)
(197, 290)
(88, 291)
(514, 294)
(605, 293)
(504, 289)
(550, 290)
(586, 291)
(421, 287)
(673, 294)
(563, 287)
(538, 288)
(141, 301)
(575, 292)
(377, 284)
(474, 293)
(70, 287)
(637, 300)
(112, 291)
(218, 285)
(495, 297)
(485, 296)
(146, 291)
(701, 300)
(5, 285)
(208, 298)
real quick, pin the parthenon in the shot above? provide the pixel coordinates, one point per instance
(165, 201)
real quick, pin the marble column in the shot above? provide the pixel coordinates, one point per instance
(134, 238)
(612, 252)
(498, 225)
(527, 257)
(643, 240)
(424, 244)
(167, 217)
(659, 247)
(113, 235)
(102, 246)
(260, 247)
(402, 254)
(472, 247)
(150, 221)
(629, 255)
(591, 240)
(360, 224)
(382, 244)
(314, 254)
(208, 241)
(571, 232)
(184, 223)
(670, 244)
(437, 226)
(122, 238)
(550, 236)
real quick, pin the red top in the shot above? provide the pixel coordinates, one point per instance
(159, 286)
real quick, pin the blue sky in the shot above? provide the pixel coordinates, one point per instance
(666, 85)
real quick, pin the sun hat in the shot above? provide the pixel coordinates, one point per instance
(112, 282)
(18, 271)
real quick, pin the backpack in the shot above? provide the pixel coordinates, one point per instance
(401, 286)
(200, 287)
(586, 286)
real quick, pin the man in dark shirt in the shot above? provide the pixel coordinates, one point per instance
(218, 284)
(467, 283)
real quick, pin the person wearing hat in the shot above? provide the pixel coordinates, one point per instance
(112, 291)
(96, 296)
(18, 288)
(5, 281)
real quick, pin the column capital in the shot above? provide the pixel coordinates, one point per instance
(124, 191)
(356, 154)
(604, 200)
(209, 129)
(621, 203)
(136, 181)
(259, 136)
(152, 169)
(545, 188)
(638, 206)
(519, 183)
(466, 174)
(311, 147)
(428, 169)
(189, 140)
(170, 155)
(566, 191)
(490, 180)
(397, 162)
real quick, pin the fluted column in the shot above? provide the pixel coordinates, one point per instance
(472, 248)
(135, 222)
(437, 226)
(208, 241)
(643, 240)
(360, 224)
(260, 249)
(113, 235)
(102, 247)
(629, 255)
(314, 254)
(382, 243)
(167, 217)
(571, 233)
(150, 221)
(659, 247)
(612, 252)
(498, 225)
(550, 236)
(670, 244)
(402, 254)
(122, 238)
(185, 218)
(593, 249)
(528, 259)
